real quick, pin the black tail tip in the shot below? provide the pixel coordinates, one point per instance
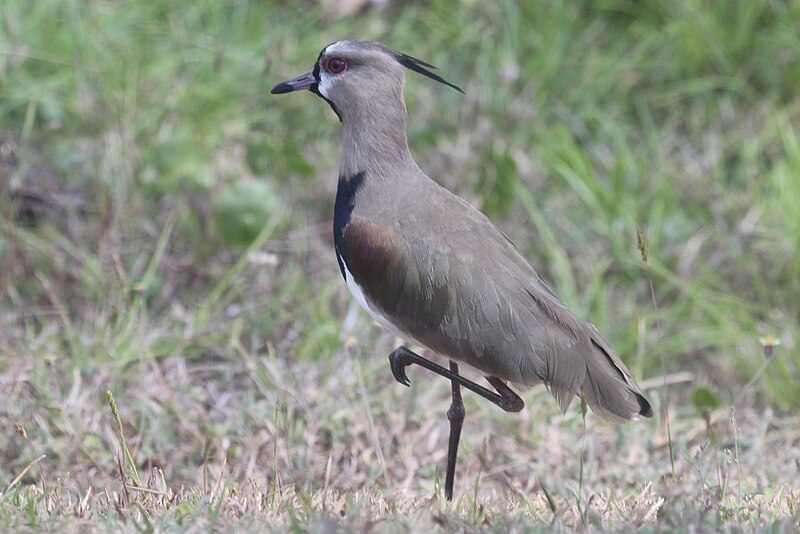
(645, 410)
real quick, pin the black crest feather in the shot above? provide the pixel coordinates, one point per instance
(419, 66)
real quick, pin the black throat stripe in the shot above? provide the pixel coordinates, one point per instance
(342, 210)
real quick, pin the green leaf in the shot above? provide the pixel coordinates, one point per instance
(241, 210)
(705, 400)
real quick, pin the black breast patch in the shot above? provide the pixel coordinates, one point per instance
(342, 210)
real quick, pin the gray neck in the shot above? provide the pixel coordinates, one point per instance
(374, 139)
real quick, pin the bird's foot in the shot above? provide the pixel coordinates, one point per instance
(399, 359)
(508, 400)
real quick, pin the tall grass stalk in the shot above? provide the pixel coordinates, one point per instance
(644, 251)
(134, 473)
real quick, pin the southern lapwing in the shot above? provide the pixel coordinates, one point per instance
(437, 272)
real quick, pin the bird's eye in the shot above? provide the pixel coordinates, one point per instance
(335, 65)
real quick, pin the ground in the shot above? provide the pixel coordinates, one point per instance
(166, 250)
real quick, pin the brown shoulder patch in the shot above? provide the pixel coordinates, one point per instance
(371, 251)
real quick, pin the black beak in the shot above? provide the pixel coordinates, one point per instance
(305, 81)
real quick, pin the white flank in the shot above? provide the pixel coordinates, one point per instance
(358, 294)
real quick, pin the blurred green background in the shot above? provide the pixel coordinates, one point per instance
(160, 206)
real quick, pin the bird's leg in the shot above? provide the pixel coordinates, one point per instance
(505, 397)
(455, 415)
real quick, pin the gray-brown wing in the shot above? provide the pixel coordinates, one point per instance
(463, 290)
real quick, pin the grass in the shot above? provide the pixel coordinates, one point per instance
(137, 258)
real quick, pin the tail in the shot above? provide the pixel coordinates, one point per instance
(592, 370)
(576, 360)
(609, 388)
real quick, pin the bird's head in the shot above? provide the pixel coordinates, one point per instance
(352, 73)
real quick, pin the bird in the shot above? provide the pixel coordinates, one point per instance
(435, 271)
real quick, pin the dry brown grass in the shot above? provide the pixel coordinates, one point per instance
(245, 441)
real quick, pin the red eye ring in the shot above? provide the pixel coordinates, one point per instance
(335, 65)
